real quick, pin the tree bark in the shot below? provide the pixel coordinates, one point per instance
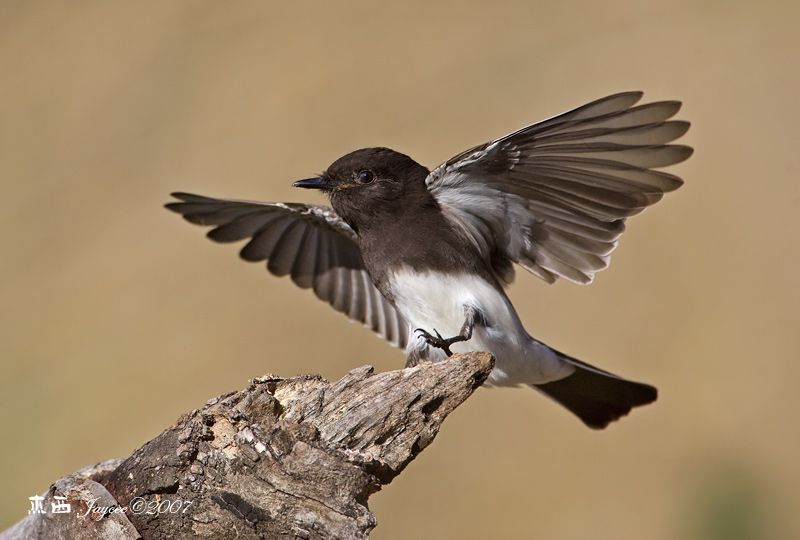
(283, 458)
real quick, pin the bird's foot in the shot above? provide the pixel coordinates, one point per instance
(438, 341)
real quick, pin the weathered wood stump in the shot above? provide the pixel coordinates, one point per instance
(283, 458)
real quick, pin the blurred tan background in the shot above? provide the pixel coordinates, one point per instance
(117, 316)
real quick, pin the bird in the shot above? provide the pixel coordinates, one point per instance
(423, 257)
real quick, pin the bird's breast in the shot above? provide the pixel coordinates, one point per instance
(431, 299)
(435, 301)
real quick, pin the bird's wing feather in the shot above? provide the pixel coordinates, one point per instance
(554, 196)
(310, 243)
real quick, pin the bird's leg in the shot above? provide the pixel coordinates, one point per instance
(472, 315)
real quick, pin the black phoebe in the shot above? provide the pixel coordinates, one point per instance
(421, 257)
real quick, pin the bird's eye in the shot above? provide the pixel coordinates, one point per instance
(365, 177)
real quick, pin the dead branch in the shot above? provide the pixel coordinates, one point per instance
(283, 458)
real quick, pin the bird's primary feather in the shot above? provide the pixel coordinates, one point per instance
(308, 242)
(554, 196)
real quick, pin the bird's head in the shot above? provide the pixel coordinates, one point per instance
(372, 183)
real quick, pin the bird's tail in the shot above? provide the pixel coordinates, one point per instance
(596, 396)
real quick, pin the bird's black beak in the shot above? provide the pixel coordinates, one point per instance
(317, 182)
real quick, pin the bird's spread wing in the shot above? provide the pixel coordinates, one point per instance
(308, 242)
(554, 196)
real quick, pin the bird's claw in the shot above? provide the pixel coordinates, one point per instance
(436, 341)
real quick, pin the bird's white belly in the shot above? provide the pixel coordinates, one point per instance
(437, 301)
